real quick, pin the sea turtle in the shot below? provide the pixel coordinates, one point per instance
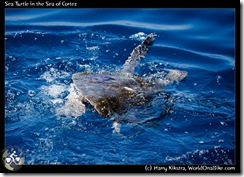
(111, 93)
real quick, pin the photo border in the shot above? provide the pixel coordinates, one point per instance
(141, 168)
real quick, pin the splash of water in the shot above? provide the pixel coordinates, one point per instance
(73, 106)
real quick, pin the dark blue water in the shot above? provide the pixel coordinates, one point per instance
(44, 47)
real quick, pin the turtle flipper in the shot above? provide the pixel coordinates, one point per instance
(139, 52)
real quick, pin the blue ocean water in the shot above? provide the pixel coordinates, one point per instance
(44, 47)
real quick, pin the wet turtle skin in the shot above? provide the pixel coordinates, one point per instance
(108, 93)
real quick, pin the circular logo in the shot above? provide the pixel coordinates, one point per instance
(13, 158)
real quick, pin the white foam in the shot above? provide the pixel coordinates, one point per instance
(53, 74)
(139, 36)
(92, 49)
(116, 127)
(54, 90)
(57, 100)
(73, 106)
